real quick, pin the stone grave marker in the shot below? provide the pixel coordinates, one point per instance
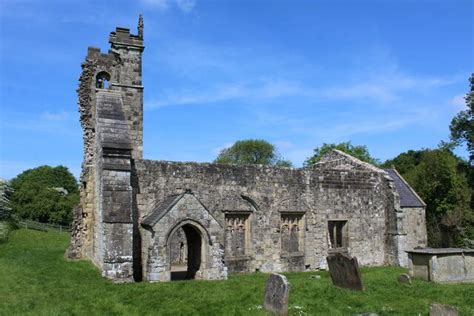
(437, 309)
(276, 294)
(404, 278)
(344, 271)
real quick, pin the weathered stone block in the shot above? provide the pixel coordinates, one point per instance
(442, 264)
(404, 278)
(437, 309)
(345, 272)
(117, 207)
(277, 290)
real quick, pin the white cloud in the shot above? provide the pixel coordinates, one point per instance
(11, 168)
(185, 6)
(361, 91)
(246, 76)
(157, 4)
(55, 116)
(63, 122)
(216, 151)
(385, 87)
(283, 145)
(260, 89)
(458, 102)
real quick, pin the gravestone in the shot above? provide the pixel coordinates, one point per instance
(404, 278)
(437, 309)
(344, 271)
(276, 294)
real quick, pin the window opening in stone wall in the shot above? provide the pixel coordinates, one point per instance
(337, 231)
(102, 80)
(291, 232)
(236, 234)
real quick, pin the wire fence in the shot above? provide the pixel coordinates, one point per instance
(4, 230)
(43, 226)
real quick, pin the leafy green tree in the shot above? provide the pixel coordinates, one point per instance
(5, 193)
(462, 125)
(252, 151)
(438, 177)
(406, 163)
(46, 194)
(358, 151)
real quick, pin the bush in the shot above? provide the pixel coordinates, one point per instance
(45, 194)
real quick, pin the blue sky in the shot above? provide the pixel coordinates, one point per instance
(386, 74)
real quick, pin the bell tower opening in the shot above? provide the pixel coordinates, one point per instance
(102, 80)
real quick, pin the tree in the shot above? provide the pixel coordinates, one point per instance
(462, 125)
(438, 177)
(406, 163)
(5, 193)
(251, 151)
(46, 194)
(360, 152)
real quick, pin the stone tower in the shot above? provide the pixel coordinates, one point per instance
(111, 109)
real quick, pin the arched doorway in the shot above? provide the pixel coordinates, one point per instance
(185, 249)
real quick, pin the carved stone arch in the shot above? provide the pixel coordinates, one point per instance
(189, 221)
(198, 255)
(251, 202)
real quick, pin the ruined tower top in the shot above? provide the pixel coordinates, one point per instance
(140, 26)
(121, 37)
(119, 71)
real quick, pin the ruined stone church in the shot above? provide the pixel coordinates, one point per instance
(158, 220)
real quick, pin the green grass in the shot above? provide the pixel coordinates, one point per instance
(35, 279)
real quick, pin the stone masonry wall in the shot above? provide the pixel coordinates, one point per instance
(357, 196)
(121, 65)
(156, 241)
(82, 232)
(414, 231)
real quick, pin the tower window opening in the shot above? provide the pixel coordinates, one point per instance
(102, 80)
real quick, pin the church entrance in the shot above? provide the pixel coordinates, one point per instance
(185, 252)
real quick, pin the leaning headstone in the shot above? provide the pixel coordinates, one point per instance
(276, 294)
(437, 309)
(404, 278)
(344, 271)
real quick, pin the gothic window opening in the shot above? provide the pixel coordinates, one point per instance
(102, 80)
(291, 232)
(338, 234)
(237, 234)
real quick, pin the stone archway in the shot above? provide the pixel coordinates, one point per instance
(203, 236)
(194, 245)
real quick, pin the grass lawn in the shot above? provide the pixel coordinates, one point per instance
(35, 279)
